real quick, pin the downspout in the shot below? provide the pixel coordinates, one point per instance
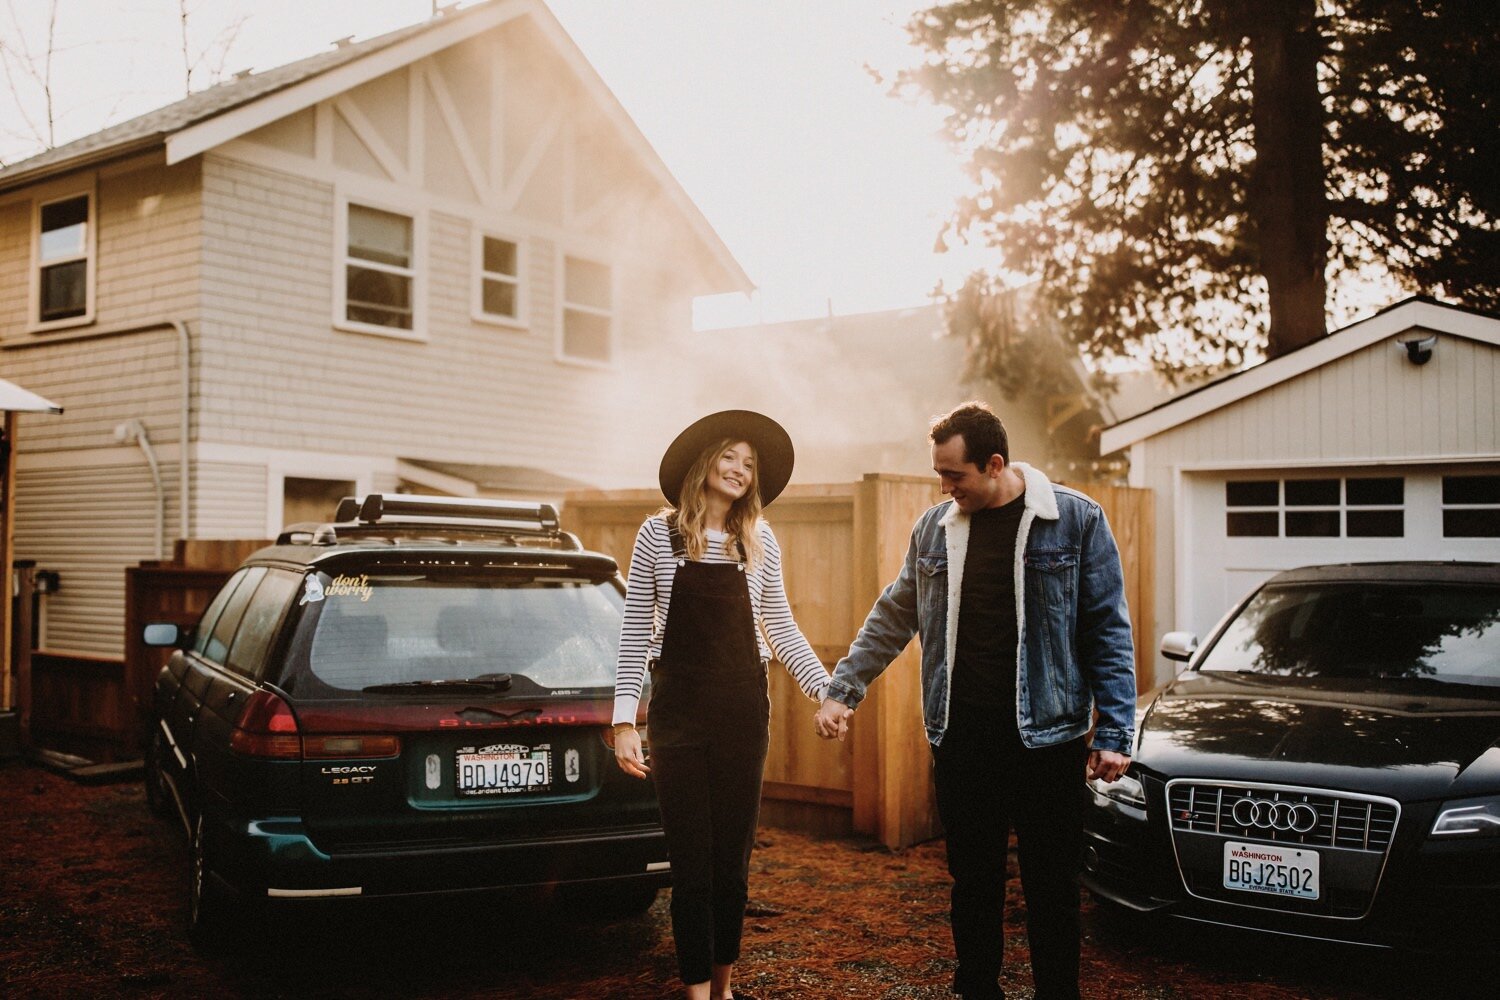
(134, 430)
(184, 425)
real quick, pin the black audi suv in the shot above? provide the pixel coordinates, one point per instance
(1328, 766)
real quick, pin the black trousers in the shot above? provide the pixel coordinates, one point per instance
(710, 804)
(986, 781)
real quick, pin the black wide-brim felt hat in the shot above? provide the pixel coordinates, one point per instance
(772, 444)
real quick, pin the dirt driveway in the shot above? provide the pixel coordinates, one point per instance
(92, 903)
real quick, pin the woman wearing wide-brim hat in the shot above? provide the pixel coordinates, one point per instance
(704, 610)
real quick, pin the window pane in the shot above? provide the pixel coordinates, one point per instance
(552, 634)
(65, 290)
(499, 297)
(64, 228)
(379, 297)
(1370, 492)
(1376, 524)
(586, 283)
(1312, 523)
(211, 613)
(585, 335)
(223, 637)
(259, 625)
(380, 236)
(499, 256)
(1263, 524)
(1471, 489)
(1480, 523)
(1257, 493)
(1312, 493)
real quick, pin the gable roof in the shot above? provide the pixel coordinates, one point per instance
(1415, 313)
(215, 116)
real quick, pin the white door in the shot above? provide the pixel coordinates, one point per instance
(1242, 526)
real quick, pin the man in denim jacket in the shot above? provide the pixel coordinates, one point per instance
(1015, 589)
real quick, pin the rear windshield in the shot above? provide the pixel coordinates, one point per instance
(1440, 632)
(551, 632)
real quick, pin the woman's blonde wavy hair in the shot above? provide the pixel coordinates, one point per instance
(741, 524)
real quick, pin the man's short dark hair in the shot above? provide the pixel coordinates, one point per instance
(983, 433)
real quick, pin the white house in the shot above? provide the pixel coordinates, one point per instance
(1380, 441)
(440, 259)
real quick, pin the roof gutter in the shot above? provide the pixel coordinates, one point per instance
(89, 158)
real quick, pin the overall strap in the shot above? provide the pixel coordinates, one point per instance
(679, 548)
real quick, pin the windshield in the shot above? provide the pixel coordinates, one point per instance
(552, 632)
(1417, 630)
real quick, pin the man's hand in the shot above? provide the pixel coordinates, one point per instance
(832, 719)
(1107, 765)
(628, 753)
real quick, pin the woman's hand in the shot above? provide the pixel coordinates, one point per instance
(628, 753)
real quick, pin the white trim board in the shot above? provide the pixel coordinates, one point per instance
(1389, 325)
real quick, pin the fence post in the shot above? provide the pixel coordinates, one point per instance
(892, 764)
(20, 641)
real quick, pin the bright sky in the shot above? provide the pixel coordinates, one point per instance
(829, 191)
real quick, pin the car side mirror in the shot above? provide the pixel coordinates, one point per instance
(1179, 646)
(165, 634)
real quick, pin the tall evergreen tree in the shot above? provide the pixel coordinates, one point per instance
(1185, 176)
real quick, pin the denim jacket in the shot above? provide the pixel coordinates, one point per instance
(1075, 652)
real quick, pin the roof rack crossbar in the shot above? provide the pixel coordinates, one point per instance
(378, 506)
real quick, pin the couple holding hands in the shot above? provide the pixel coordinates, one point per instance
(1013, 586)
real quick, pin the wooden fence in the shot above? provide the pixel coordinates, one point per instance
(98, 707)
(841, 545)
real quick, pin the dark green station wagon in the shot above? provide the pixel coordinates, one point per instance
(409, 700)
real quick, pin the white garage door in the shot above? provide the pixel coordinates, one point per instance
(1241, 527)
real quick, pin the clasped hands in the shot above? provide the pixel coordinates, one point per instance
(831, 721)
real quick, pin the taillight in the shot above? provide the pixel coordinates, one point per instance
(267, 729)
(331, 747)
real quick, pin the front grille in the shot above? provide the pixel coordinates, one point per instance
(1343, 820)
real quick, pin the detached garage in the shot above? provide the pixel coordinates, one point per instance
(1381, 441)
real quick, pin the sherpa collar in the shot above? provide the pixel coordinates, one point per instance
(1040, 500)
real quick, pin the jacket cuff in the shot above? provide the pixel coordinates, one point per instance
(843, 693)
(1115, 740)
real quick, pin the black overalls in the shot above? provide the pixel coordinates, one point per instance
(708, 723)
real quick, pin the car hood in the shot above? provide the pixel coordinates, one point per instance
(1410, 739)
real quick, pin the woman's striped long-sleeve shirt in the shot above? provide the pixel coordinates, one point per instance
(648, 598)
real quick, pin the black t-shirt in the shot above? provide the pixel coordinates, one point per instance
(984, 661)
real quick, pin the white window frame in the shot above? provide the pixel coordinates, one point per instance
(520, 321)
(1444, 506)
(1281, 508)
(74, 188)
(563, 305)
(342, 260)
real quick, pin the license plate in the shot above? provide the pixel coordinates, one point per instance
(503, 769)
(1270, 868)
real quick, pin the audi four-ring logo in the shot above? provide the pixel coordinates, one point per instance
(1265, 814)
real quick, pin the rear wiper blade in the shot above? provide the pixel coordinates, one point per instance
(484, 682)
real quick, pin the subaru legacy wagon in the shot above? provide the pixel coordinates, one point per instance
(408, 700)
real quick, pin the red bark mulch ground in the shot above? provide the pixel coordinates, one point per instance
(92, 903)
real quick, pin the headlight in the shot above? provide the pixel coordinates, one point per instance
(1469, 818)
(1125, 789)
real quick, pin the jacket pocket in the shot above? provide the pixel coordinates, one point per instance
(932, 592)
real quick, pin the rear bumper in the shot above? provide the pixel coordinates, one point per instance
(277, 858)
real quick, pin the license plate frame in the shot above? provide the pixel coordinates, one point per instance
(1284, 870)
(503, 769)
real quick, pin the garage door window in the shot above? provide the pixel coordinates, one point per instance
(1316, 508)
(1471, 506)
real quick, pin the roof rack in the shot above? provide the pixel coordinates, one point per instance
(391, 515)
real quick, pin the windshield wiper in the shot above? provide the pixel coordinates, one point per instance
(455, 685)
